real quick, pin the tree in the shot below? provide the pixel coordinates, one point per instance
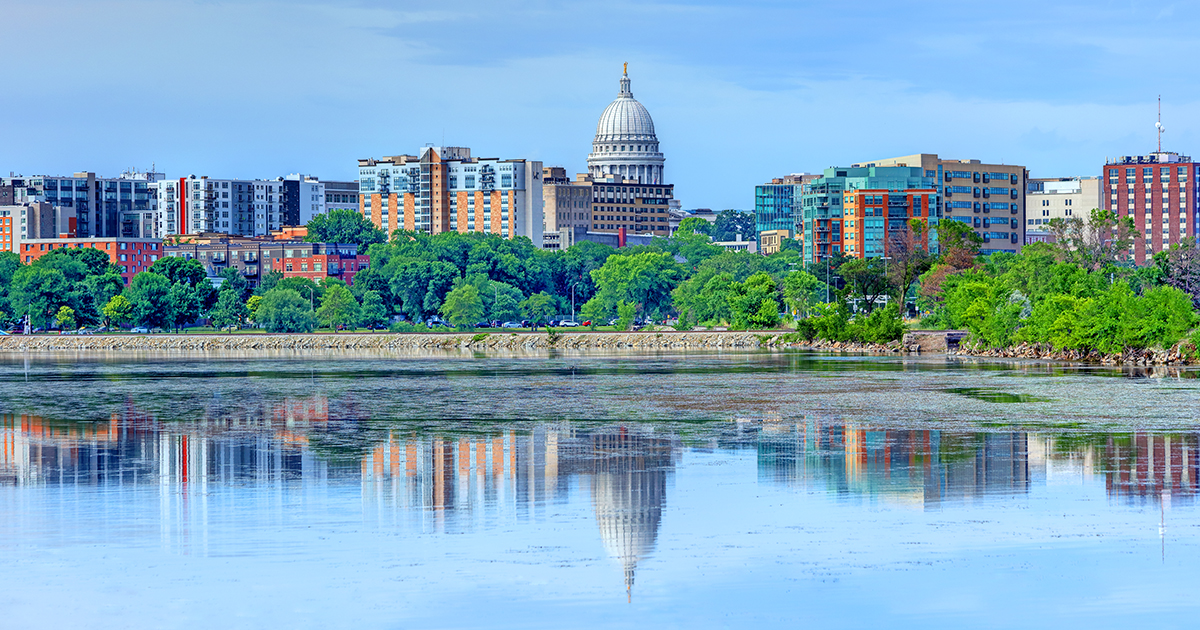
(230, 310)
(421, 285)
(1180, 268)
(150, 295)
(270, 280)
(626, 311)
(344, 226)
(1104, 238)
(752, 303)
(505, 307)
(305, 287)
(65, 318)
(252, 306)
(117, 311)
(958, 244)
(374, 313)
(39, 292)
(338, 307)
(178, 270)
(865, 278)
(695, 225)
(102, 288)
(645, 279)
(801, 290)
(732, 223)
(463, 307)
(910, 257)
(234, 281)
(77, 263)
(185, 305)
(284, 311)
(539, 308)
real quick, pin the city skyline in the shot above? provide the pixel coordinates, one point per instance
(263, 89)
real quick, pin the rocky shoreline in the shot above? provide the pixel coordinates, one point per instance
(1039, 352)
(574, 341)
(664, 340)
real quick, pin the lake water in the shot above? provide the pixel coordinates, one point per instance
(579, 491)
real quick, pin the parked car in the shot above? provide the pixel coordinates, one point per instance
(568, 324)
(140, 330)
(587, 322)
(484, 325)
(511, 325)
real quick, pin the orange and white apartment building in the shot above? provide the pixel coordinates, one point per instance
(444, 189)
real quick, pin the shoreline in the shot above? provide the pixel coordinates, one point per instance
(482, 341)
(584, 341)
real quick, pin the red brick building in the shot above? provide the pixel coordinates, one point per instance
(256, 257)
(132, 255)
(1159, 191)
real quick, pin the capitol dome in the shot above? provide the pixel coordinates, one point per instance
(625, 142)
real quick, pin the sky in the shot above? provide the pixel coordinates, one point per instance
(740, 92)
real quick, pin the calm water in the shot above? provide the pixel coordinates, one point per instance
(703, 490)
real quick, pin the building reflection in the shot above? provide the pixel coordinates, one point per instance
(434, 479)
(917, 467)
(454, 483)
(928, 468)
(1143, 467)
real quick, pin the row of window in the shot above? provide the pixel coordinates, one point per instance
(981, 177)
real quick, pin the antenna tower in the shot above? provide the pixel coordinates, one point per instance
(1158, 125)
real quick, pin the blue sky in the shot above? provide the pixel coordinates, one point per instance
(740, 92)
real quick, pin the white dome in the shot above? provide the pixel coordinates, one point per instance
(625, 119)
(625, 144)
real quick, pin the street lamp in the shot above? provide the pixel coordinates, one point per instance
(573, 301)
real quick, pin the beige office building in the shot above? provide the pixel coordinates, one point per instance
(988, 197)
(567, 203)
(1060, 198)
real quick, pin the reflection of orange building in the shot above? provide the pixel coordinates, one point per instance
(33, 448)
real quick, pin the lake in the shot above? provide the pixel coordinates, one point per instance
(457, 490)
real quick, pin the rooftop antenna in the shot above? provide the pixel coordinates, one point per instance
(1158, 124)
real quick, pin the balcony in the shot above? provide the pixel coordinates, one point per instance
(250, 272)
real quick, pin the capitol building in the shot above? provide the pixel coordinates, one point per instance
(623, 198)
(625, 144)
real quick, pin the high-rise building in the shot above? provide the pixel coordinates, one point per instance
(10, 239)
(341, 196)
(1059, 198)
(1159, 191)
(821, 204)
(303, 198)
(103, 207)
(988, 197)
(625, 144)
(625, 205)
(777, 204)
(445, 189)
(873, 216)
(567, 204)
(243, 207)
(855, 210)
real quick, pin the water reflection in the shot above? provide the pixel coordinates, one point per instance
(437, 479)
(917, 467)
(932, 467)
